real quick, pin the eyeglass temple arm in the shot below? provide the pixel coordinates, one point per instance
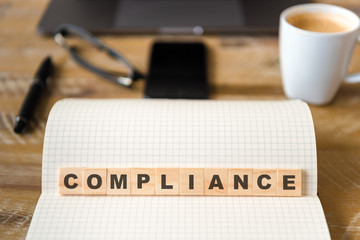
(65, 29)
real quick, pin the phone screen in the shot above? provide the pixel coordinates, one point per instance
(177, 70)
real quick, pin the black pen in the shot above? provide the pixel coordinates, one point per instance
(38, 85)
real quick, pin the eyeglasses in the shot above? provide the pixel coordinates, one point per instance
(79, 43)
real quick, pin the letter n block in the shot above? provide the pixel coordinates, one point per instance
(94, 181)
(240, 182)
(216, 181)
(118, 181)
(264, 182)
(289, 182)
(70, 181)
(167, 181)
(142, 181)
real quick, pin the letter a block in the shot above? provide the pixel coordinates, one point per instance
(264, 182)
(216, 181)
(167, 181)
(94, 181)
(289, 182)
(70, 181)
(118, 181)
(142, 181)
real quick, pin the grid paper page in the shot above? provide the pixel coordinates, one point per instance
(77, 217)
(178, 133)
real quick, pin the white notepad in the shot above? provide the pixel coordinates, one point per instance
(179, 133)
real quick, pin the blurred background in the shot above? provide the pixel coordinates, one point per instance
(243, 64)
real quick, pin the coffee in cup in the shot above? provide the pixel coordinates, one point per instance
(320, 22)
(316, 45)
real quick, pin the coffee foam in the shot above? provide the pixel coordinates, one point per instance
(321, 22)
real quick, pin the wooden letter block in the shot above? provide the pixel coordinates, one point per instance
(167, 181)
(70, 181)
(289, 182)
(142, 181)
(94, 181)
(264, 182)
(192, 181)
(240, 182)
(118, 181)
(216, 181)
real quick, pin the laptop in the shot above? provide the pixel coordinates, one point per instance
(166, 16)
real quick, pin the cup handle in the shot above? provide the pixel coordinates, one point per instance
(353, 78)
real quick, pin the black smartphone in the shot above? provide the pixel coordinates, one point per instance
(177, 70)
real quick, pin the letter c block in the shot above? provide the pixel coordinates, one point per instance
(264, 182)
(70, 181)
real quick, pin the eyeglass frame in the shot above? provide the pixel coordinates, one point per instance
(68, 29)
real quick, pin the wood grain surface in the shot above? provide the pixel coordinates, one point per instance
(240, 67)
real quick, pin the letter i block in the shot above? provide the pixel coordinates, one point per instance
(289, 182)
(167, 181)
(70, 181)
(264, 182)
(192, 181)
(118, 181)
(216, 181)
(142, 181)
(94, 181)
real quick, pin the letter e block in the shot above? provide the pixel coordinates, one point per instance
(289, 182)
(240, 182)
(118, 181)
(167, 181)
(94, 181)
(216, 181)
(142, 181)
(192, 181)
(264, 182)
(70, 181)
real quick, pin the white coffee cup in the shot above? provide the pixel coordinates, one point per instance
(314, 64)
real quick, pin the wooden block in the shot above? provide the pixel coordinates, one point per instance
(264, 182)
(216, 181)
(240, 182)
(167, 181)
(118, 181)
(70, 181)
(192, 181)
(142, 181)
(94, 181)
(289, 182)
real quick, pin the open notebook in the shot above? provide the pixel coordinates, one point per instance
(179, 133)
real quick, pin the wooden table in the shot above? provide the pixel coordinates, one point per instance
(240, 67)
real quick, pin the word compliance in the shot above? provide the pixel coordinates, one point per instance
(180, 181)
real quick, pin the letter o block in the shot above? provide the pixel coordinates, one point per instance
(70, 181)
(94, 181)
